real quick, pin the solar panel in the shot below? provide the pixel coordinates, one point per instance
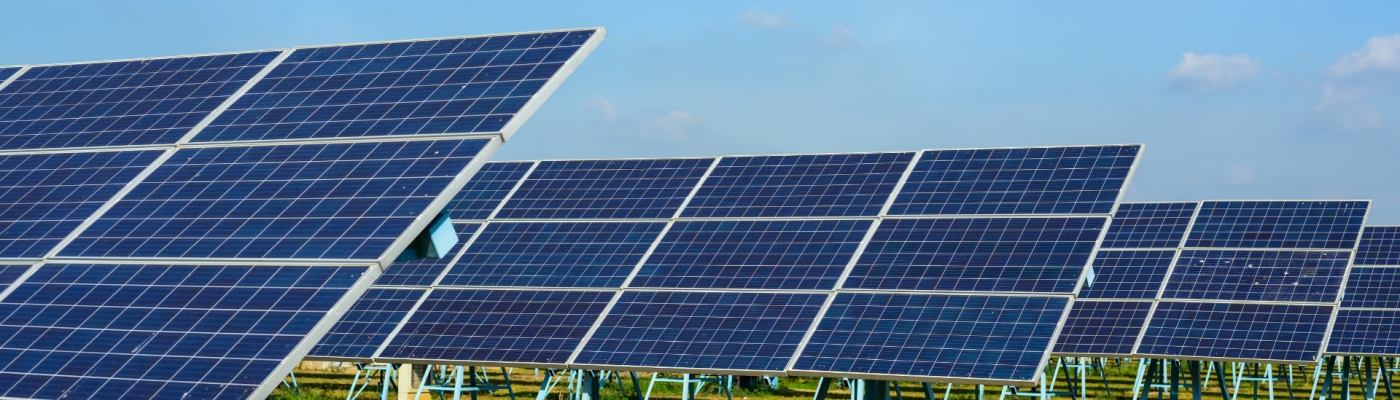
(100, 176)
(1365, 333)
(458, 85)
(768, 254)
(1284, 333)
(499, 327)
(1128, 274)
(688, 331)
(1299, 276)
(159, 330)
(44, 197)
(310, 201)
(955, 338)
(818, 185)
(360, 332)
(554, 254)
(978, 254)
(1045, 180)
(1108, 328)
(1149, 225)
(120, 103)
(484, 193)
(598, 189)
(1380, 245)
(1278, 224)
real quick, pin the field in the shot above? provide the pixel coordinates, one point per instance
(334, 383)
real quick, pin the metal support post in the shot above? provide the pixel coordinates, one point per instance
(928, 390)
(824, 384)
(1195, 379)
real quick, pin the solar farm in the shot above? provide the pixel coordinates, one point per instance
(197, 227)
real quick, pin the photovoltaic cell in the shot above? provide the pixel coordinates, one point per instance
(1281, 332)
(1149, 225)
(650, 188)
(1278, 224)
(480, 197)
(138, 102)
(44, 197)
(554, 254)
(423, 271)
(1371, 287)
(1260, 275)
(947, 336)
(1365, 332)
(1103, 327)
(781, 254)
(10, 273)
(816, 185)
(343, 201)
(7, 72)
(1054, 180)
(498, 326)
(703, 330)
(459, 85)
(361, 331)
(1128, 274)
(977, 254)
(1380, 245)
(159, 331)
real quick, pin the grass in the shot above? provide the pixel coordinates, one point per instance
(334, 383)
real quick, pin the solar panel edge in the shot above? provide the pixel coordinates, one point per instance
(9, 288)
(552, 83)
(228, 102)
(14, 76)
(502, 203)
(1129, 353)
(126, 189)
(440, 202)
(696, 189)
(898, 186)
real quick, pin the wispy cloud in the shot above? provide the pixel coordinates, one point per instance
(675, 126)
(1214, 71)
(765, 20)
(839, 38)
(1380, 54)
(603, 108)
(1347, 108)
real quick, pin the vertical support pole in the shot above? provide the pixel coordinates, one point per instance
(1346, 378)
(405, 380)
(874, 390)
(1195, 379)
(457, 377)
(1327, 382)
(1370, 386)
(928, 390)
(1220, 376)
(824, 384)
(1176, 379)
(591, 386)
(471, 371)
(636, 384)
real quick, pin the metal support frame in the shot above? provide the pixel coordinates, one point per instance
(1251, 373)
(686, 379)
(384, 374)
(457, 379)
(1363, 369)
(1166, 377)
(1074, 368)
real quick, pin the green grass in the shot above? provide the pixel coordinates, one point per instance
(335, 384)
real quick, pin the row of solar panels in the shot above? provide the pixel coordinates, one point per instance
(185, 227)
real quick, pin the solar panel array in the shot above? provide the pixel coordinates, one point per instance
(1255, 281)
(1367, 321)
(1129, 268)
(189, 227)
(853, 265)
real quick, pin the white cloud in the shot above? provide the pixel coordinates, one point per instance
(1214, 71)
(839, 37)
(604, 108)
(1347, 108)
(1380, 54)
(675, 126)
(1240, 173)
(766, 20)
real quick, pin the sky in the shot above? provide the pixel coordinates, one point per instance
(1239, 100)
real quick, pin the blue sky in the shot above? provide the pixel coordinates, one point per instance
(1259, 100)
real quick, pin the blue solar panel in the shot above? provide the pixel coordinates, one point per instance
(10, 273)
(44, 197)
(139, 102)
(977, 254)
(814, 185)
(159, 331)
(1149, 225)
(7, 72)
(1054, 180)
(1366, 333)
(498, 326)
(1371, 287)
(1380, 245)
(784, 254)
(1279, 332)
(1103, 328)
(459, 85)
(950, 336)
(651, 188)
(424, 271)
(361, 331)
(554, 254)
(480, 197)
(1278, 224)
(703, 331)
(1260, 275)
(347, 200)
(1128, 274)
